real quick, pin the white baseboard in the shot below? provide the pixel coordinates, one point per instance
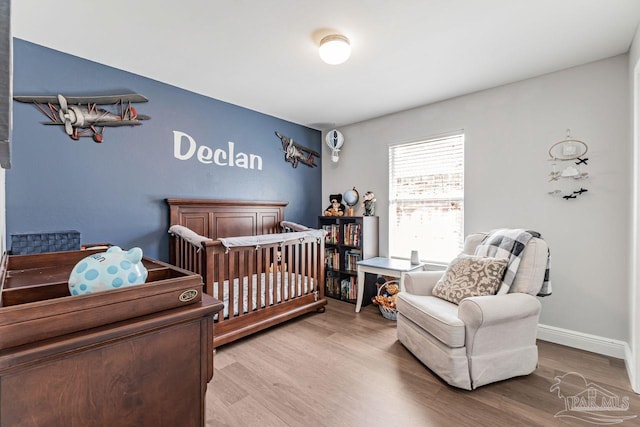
(594, 344)
(629, 363)
(588, 342)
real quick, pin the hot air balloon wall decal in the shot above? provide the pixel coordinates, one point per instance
(334, 140)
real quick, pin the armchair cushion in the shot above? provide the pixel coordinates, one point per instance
(435, 315)
(470, 276)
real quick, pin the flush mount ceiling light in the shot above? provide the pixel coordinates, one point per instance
(335, 49)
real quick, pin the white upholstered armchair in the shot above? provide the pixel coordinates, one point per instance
(482, 339)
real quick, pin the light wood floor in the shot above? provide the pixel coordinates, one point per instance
(340, 368)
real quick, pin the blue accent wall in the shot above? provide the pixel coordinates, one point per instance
(114, 191)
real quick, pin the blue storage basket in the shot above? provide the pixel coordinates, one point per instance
(37, 243)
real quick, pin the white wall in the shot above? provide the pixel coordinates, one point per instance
(508, 132)
(633, 359)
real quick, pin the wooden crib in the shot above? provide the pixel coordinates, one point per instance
(268, 280)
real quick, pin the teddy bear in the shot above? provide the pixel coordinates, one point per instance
(369, 204)
(336, 208)
(389, 295)
(279, 263)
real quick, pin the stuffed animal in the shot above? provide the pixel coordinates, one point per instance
(336, 208)
(279, 263)
(388, 296)
(369, 204)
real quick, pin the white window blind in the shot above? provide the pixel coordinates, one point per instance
(426, 198)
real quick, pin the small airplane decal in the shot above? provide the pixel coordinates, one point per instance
(294, 152)
(573, 195)
(582, 161)
(81, 116)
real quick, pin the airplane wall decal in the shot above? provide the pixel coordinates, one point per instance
(81, 116)
(294, 152)
(582, 161)
(580, 191)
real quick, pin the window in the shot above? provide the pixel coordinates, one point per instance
(426, 198)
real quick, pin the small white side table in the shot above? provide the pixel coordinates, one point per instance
(386, 267)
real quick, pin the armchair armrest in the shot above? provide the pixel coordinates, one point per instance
(495, 322)
(493, 309)
(421, 282)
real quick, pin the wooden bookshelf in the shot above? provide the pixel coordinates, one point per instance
(349, 239)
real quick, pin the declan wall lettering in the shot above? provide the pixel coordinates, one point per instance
(185, 148)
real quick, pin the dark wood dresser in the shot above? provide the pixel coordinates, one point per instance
(139, 356)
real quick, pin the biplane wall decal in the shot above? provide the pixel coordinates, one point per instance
(80, 115)
(295, 153)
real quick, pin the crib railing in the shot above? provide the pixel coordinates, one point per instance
(254, 278)
(184, 254)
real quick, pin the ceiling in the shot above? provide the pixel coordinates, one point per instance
(263, 55)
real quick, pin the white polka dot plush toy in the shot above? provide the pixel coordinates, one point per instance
(113, 269)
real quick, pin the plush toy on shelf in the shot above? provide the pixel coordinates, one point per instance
(336, 208)
(369, 204)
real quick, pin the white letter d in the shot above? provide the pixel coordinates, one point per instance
(177, 144)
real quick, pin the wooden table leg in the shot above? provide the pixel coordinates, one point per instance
(360, 289)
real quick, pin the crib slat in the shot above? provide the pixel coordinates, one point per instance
(248, 271)
(300, 268)
(318, 265)
(221, 287)
(240, 276)
(181, 254)
(293, 269)
(269, 276)
(187, 257)
(309, 267)
(250, 280)
(259, 270)
(283, 280)
(313, 267)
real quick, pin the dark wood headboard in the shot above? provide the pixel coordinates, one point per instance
(226, 218)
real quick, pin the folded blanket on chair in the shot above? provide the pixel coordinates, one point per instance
(509, 244)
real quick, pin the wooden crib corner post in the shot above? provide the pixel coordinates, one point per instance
(319, 262)
(206, 260)
(172, 249)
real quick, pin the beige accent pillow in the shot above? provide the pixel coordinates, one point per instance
(470, 276)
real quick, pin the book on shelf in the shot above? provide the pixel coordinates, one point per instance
(349, 288)
(333, 285)
(333, 233)
(352, 234)
(332, 258)
(351, 258)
